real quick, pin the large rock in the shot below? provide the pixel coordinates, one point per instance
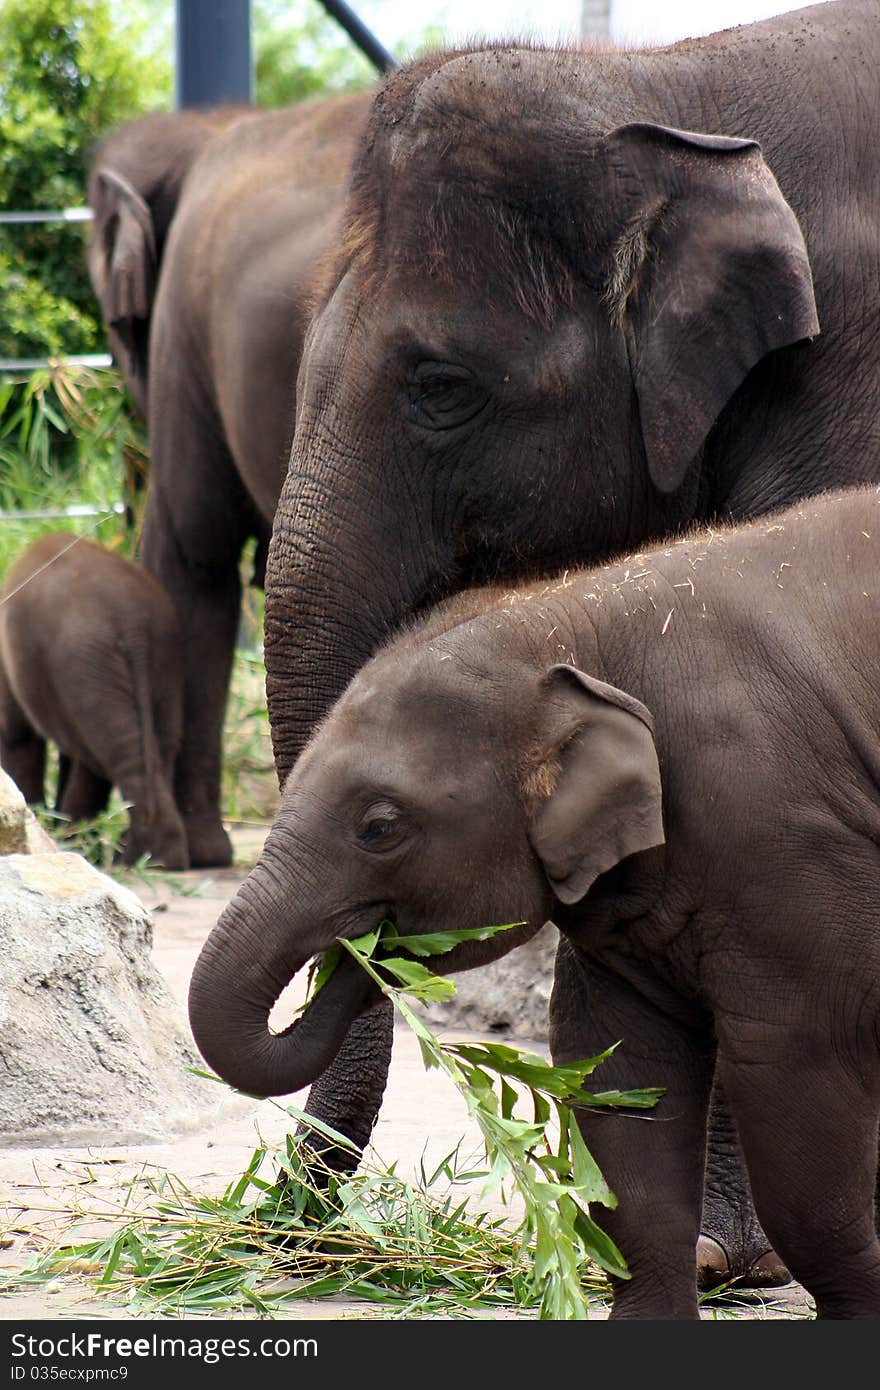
(20, 832)
(92, 1045)
(510, 996)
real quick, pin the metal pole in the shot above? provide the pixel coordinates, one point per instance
(360, 35)
(213, 52)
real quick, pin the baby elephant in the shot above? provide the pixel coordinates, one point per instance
(90, 659)
(677, 759)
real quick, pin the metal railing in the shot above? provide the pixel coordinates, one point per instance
(11, 365)
(78, 509)
(64, 215)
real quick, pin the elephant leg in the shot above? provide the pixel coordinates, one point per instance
(84, 794)
(732, 1243)
(808, 1119)
(652, 1161)
(22, 749)
(349, 1093)
(198, 517)
(877, 1189)
(62, 779)
(212, 619)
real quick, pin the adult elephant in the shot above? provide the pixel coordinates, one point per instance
(573, 311)
(208, 230)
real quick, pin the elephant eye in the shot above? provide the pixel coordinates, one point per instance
(443, 395)
(380, 827)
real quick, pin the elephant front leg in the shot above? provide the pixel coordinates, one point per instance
(732, 1244)
(22, 750)
(653, 1161)
(348, 1095)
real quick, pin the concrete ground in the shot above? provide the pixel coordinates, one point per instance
(422, 1117)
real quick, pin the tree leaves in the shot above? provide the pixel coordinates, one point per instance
(558, 1181)
(438, 943)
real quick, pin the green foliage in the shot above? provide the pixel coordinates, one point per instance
(289, 1229)
(300, 52)
(66, 436)
(99, 841)
(69, 71)
(556, 1180)
(304, 1231)
(249, 784)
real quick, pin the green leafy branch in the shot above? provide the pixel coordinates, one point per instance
(556, 1181)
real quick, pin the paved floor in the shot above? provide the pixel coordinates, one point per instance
(422, 1117)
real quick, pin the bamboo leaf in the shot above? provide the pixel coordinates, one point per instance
(438, 943)
(419, 982)
(600, 1247)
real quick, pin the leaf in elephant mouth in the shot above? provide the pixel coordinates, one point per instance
(440, 942)
(386, 939)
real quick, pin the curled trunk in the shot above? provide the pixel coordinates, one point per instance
(256, 948)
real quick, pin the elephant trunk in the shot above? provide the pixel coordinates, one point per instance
(256, 948)
(333, 597)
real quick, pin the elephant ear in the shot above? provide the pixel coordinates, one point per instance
(600, 762)
(123, 260)
(711, 273)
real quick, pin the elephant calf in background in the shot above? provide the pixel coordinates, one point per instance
(90, 658)
(677, 759)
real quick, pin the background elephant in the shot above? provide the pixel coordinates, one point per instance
(90, 658)
(531, 763)
(208, 231)
(572, 310)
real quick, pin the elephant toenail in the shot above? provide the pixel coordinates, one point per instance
(713, 1267)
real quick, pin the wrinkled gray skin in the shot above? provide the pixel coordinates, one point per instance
(209, 230)
(560, 328)
(90, 660)
(676, 758)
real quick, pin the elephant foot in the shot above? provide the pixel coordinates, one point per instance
(209, 845)
(733, 1247)
(754, 1266)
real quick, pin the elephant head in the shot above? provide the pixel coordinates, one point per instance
(538, 315)
(135, 181)
(442, 792)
